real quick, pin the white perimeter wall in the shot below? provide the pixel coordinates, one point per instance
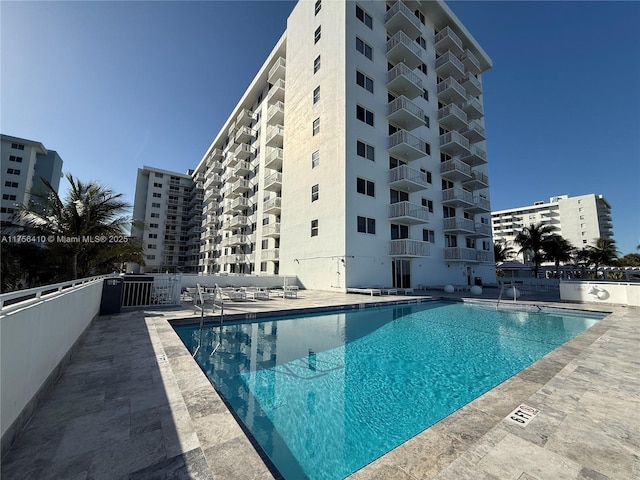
(601, 292)
(34, 340)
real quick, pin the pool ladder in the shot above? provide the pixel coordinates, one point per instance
(199, 296)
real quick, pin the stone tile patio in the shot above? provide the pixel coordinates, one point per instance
(133, 404)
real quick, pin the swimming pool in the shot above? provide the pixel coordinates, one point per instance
(326, 394)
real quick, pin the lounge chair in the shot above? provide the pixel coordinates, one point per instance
(256, 293)
(365, 290)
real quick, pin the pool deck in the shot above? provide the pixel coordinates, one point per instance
(133, 404)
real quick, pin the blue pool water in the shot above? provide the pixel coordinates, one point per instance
(326, 394)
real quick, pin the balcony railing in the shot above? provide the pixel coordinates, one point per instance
(271, 230)
(452, 116)
(243, 151)
(477, 181)
(275, 134)
(448, 65)
(474, 131)
(472, 84)
(245, 117)
(405, 145)
(409, 248)
(273, 205)
(454, 143)
(482, 230)
(473, 108)
(408, 179)
(455, 169)
(275, 113)
(458, 224)
(401, 48)
(408, 212)
(245, 135)
(446, 39)
(276, 92)
(274, 158)
(273, 182)
(457, 197)
(403, 112)
(479, 205)
(450, 91)
(271, 254)
(459, 254)
(475, 156)
(400, 17)
(471, 62)
(277, 71)
(402, 80)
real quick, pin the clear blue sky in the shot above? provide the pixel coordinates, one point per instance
(113, 86)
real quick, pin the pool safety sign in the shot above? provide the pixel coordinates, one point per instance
(522, 415)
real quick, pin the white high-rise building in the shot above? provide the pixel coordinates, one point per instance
(356, 157)
(24, 164)
(170, 206)
(581, 220)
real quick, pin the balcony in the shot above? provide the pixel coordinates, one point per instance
(455, 170)
(211, 194)
(474, 157)
(245, 117)
(272, 206)
(275, 114)
(470, 61)
(401, 48)
(409, 248)
(477, 181)
(446, 39)
(450, 91)
(273, 159)
(474, 131)
(238, 221)
(457, 197)
(401, 18)
(479, 205)
(275, 136)
(481, 230)
(459, 254)
(273, 254)
(452, 117)
(240, 186)
(242, 168)
(448, 65)
(215, 154)
(404, 145)
(402, 80)
(403, 112)
(276, 92)
(245, 135)
(473, 108)
(273, 182)
(277, 71)
(230, 160)
(454, 144)
(271, 230)
(234, 240)
(215, 166)
(484, 256)
(407, 179)
(213, 180)
(458, 225)
(239, 204)
(472, 85)
(242, 151)
(211, 220)
(407, 212)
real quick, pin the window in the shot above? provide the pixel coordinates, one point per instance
(315, 192)
(153, 235)
(317, 34)
(364, 17)
(264, 244)
(450, 241)
(423, 68)
(314, 228)
(428, 204)
(427, 148)
(420, 16)
(157, 195)
(364, 81)
(155, 215)
(151, 257)
(17, 146)
(8, 197)
(11, 184)
(428, 236)
(422, 42)
(157, 185)
(152, 246)
(159, 175)
(13, 158)
(318, 6)
(263, 266)
(365, 151)
(364, 48)
(316, 64)
(446, 184)
(366, 187)
(316, 95)
(315, 159)
(316, 126)
(428, 175)
(367, 225)
(364, 115)
(448, 212)
(399, 231)
(396, 196)
(425, 95)
(155, 205)
(427, 121)
(13, 171)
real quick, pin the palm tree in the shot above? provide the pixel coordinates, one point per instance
(79, 227)
(604, 253)
(557, 249)
(531, 240)
(502, 251)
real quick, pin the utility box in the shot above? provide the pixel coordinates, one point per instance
(111, 296)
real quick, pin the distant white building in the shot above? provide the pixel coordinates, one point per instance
(170, 206)
(580, 220)
(24, 164)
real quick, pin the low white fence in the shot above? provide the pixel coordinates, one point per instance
(148, 290)
(616, 293)
(38, 329)
(261, 281)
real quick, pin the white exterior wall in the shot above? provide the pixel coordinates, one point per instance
(315, 260)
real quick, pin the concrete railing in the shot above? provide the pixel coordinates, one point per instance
(616, 293)
(37, 336)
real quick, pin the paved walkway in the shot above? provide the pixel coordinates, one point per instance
(133, 404)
